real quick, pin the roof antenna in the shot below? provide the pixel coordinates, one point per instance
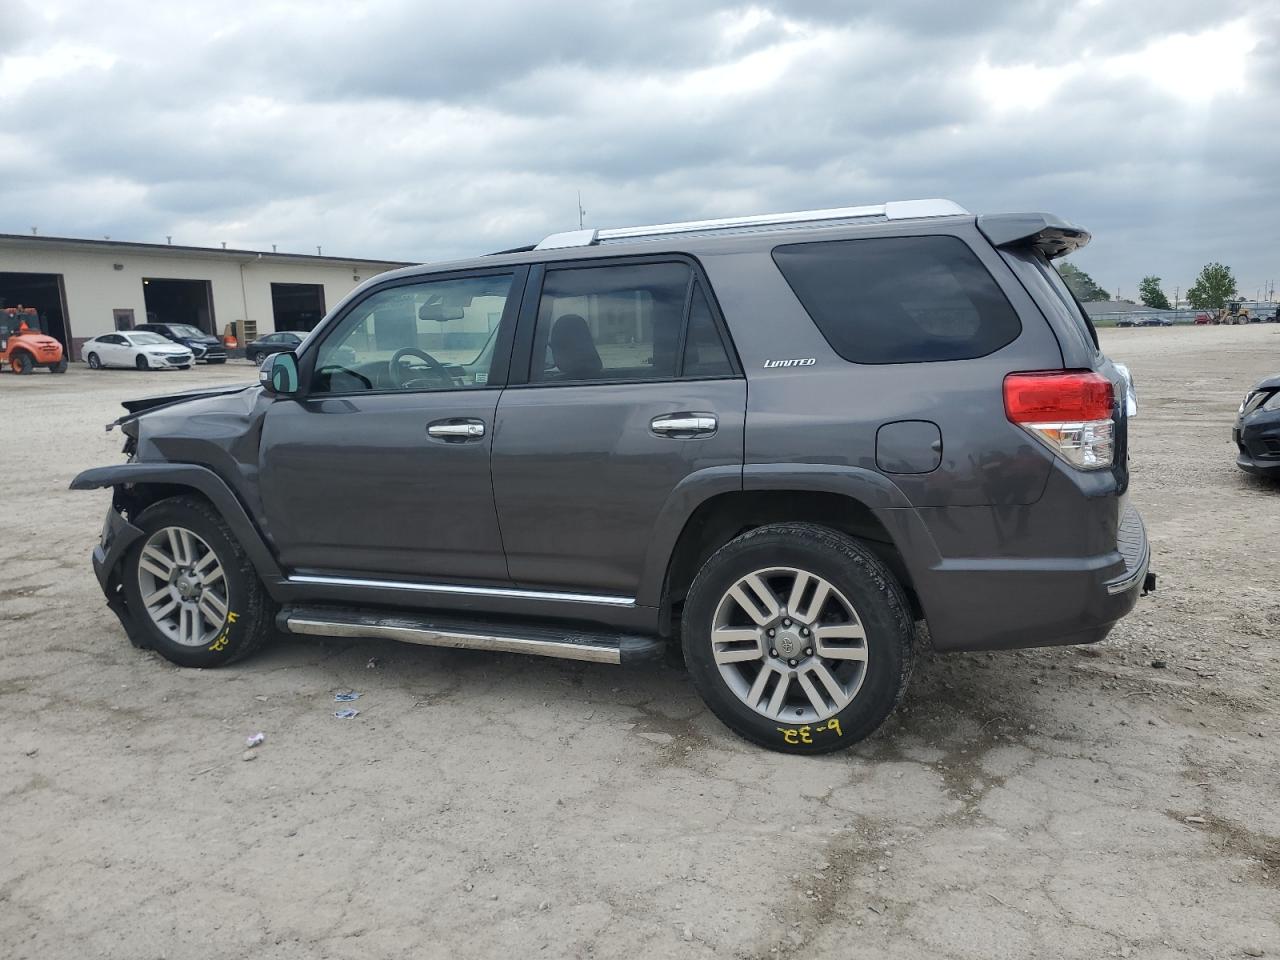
(581, 213)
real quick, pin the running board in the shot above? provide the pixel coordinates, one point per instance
(566, 643)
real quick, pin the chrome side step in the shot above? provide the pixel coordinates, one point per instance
(566, 643)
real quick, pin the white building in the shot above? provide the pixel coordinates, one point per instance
(83, 288)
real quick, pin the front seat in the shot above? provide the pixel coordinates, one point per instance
(573, 350)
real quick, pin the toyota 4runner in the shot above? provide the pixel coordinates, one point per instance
(777, 441)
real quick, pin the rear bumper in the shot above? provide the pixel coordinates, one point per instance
(998, 603)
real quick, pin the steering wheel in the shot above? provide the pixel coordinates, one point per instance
(398, 369)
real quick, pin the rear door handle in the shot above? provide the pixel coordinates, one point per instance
(456, 431)
(684, 425)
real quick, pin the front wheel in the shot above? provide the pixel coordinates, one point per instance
(141, 362)
(798, 638)
(21, 363)
(59, 367)
(192, 590)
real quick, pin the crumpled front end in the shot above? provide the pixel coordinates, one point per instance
(117, 536)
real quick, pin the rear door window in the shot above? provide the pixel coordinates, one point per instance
(625, 322)
(704, 352)
(900, 299)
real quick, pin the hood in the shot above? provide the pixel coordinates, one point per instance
(1268, 383)
(164, 400)
(205, 341)
(40, 340)
(168, 347)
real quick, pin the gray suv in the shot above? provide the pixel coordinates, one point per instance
(775, 441)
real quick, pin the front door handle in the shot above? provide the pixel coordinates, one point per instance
(456, 430)
(684, 425)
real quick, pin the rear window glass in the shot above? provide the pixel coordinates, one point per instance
(900, 299)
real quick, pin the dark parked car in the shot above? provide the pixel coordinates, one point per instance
(774, 441)
(1155, 322)
(1257, 429)
(205, 347)
(272, 343)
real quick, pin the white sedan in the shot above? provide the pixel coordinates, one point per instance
(133, 348)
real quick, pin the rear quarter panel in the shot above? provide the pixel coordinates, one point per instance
(829, 411)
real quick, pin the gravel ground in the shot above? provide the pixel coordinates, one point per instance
(1061, 802)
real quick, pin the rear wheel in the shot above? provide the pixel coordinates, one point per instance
(94, 362)
(59, 367)
(798, 638)
(192, 590)
(21, 362)
(141, 362)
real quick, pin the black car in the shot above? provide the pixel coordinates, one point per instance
(272, 343)
(1257, 429)
(204, 346)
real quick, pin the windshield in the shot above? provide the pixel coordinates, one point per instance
(187, 330)
(144, 339)
(11, 323)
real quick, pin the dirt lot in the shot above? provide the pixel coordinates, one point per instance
(1030, 804)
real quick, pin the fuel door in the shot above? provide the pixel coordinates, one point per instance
(909, 446)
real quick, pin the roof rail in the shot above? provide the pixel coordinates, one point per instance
(893, 210)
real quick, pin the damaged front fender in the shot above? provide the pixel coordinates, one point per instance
(118, 535)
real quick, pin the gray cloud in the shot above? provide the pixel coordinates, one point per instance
(425, 131)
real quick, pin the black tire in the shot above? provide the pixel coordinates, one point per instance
(93, 361)
(59, 367)
(21, 362)
(251, 355)
(250, 610)
(141, 362)
(852, 569)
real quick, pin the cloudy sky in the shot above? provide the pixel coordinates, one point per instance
(426, 130)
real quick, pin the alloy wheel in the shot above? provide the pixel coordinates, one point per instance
(183, 586)
(789, 645)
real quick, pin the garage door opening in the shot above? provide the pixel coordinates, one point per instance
(44, 292)
(297, 306)
(179, 301)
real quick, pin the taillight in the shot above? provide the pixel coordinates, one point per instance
(1070, 411)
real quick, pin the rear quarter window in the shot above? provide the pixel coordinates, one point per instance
(900, 299)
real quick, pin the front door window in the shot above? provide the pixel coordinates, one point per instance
(419, 336)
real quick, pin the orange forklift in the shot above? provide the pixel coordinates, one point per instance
(24, 345)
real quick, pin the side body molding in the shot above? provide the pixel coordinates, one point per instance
(204, 481)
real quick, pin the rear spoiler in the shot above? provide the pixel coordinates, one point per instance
(1050, 235)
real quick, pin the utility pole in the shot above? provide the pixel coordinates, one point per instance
(1176, 291)
(581, 213)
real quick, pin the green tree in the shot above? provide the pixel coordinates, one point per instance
(1151, 294)
(1213, 288)
(1081, 284)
